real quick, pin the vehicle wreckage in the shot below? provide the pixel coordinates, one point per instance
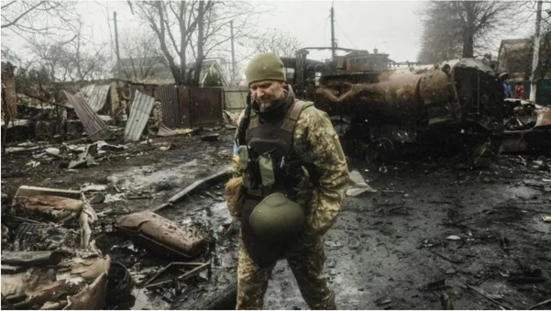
(383, 113)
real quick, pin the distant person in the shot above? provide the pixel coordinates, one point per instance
(519, 90)
(507, 89)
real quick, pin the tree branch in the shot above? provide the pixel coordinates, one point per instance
(9, 24)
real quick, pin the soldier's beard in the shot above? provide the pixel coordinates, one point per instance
(269, 103)
(266, 104)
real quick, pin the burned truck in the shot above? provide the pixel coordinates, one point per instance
(383, 111)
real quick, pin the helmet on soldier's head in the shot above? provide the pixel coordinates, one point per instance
(277, 219)
(265, 66)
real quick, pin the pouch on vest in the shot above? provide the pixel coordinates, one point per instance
(266, 167)
(243, 154)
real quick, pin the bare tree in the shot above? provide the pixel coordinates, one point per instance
(188, 31)
(277, 41)
(141, 56)
(76, 58)
(468, 22)
(73, 61)
(27, 18)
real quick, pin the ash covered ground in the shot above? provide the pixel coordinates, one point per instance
(429, 229)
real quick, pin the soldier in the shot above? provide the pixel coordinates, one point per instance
(290, 178)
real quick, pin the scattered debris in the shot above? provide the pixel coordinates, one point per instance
(382, 301)
(546, 218)
(165, 131)
(87, 158)
(59, 203)
(210, 137)
(437, 285)
(543, 303)
(357, 185)
(160, 235)
(453, 238)
(446, 302)
(109, 198)
(483, 294)
(92, 187)
(189, 190)
(445, 257)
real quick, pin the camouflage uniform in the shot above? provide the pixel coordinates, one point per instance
(315, 142)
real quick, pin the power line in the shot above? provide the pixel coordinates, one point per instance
(312, 29)
(342, 31)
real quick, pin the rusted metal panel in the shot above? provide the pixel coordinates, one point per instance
(139, 114)
(184, 102)
(206, 105)
(175, 106)
(168, 95)
(93, 125)
(96, 96)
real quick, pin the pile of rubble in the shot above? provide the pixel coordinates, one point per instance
(50, 259)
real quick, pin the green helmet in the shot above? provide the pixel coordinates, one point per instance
(265, 66)
(277, 219)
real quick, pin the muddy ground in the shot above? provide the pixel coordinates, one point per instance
(429, 229)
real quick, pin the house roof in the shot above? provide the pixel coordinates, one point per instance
(515, 45)
(156, 60)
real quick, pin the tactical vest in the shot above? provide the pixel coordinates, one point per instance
(269, 145)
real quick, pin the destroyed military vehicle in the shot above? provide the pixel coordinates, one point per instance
(383, 110)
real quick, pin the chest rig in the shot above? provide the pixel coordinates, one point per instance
(265, 155)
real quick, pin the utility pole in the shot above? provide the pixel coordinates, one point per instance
(117, 46)
(533, 79)
(333, 41)
(232, 82)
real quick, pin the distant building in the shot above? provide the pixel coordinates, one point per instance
(212, 74)
(152, 70)
(155, 70)
(515, 58)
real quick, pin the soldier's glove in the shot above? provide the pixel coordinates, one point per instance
(234, 196)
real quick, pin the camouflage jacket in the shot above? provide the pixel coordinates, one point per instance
(316, 142)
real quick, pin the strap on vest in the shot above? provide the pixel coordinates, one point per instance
(290, 121)
(254, 121)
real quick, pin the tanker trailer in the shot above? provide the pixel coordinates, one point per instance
(449, 108)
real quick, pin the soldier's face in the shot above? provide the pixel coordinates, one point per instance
(266, 92)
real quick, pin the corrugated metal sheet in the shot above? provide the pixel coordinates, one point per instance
(95, 96)
(139, 114)
(132, 91)
(93, 125)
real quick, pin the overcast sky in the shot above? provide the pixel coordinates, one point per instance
(394, 27)
(391, 26)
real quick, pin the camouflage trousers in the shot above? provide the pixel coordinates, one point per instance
(305, 258)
